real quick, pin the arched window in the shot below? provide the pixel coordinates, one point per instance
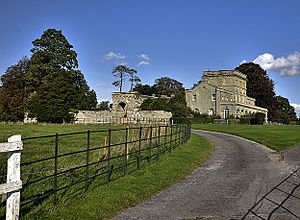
(197, 110)
(211, 112)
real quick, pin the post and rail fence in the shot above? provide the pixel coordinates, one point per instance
(60, 165)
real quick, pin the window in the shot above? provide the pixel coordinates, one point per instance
(211, 112)
(213, 97)
(194, 98)
(226, 113)
(197, 110)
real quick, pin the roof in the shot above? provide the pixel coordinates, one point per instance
(215, 73)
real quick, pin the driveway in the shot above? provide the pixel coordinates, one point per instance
(236, 176)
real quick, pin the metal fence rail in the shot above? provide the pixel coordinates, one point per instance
(51, 164)
(288, 205)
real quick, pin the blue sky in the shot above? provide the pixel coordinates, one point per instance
(178, 39)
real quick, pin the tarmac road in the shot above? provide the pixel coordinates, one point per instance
(236, 176)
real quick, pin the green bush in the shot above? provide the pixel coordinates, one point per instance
(8, 117)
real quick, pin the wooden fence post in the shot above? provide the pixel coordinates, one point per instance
(13, 183)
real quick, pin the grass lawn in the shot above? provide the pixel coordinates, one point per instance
(30, 130)
(276, 137)
(102, 202)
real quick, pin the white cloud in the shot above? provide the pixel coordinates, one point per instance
(243, 61)
(286, 66)
(297, 108)
(144, 59)
(118, 58)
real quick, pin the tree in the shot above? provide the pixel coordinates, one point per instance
(121, 72)
(52, 60)
(155, 104)
(177, 105)
(13, 91)
(260, 87)
(103, 105)
(167, 86)
(285, 113)
(54, 99)
(144, 89)
(133, 81)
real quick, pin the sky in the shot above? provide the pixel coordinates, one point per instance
(175, 38)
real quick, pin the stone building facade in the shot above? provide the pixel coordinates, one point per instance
(222, 93)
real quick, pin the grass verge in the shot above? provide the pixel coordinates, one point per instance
(105, 201)
(276, 137)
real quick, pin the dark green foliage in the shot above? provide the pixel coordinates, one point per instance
(54, 48)
(155, 104)
(245, 119)
(13, 92)
(260, 87)
(176, 105)
(202, 118)
(162, 86)
(103, 105)
(167, 86)
(284, 113)
(258, 119)
(54, 99)
(144, 89)
(54, 85)
(253, 119)
(6, 117)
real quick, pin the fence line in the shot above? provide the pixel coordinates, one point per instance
(11, 189)
(123, 120)
(54, 163)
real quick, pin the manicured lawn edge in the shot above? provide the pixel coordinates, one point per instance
(278, 138)
(105, 201)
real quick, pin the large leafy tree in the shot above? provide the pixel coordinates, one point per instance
(103, 105)
(260, 87)
(120, 72)
(54, 83)
(167, 86)
(13, 91)
(284, 113)
(144, 89)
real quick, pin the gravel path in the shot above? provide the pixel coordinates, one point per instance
(238, 173)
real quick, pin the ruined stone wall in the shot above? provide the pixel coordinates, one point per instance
(134, 117)
(93, 117)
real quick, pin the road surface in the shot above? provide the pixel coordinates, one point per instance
(236, 176)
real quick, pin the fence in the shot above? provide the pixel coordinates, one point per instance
(118, 120)
(52, 164)
(11, 189)
(288, 204)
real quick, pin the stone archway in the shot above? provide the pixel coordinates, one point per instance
(122, 105)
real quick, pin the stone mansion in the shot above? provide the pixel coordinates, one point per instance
(222, 93)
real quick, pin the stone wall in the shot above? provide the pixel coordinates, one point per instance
(93, 117)
(134, 117)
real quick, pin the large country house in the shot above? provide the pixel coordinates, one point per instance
(222, 93)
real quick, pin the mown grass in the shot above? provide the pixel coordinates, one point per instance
(103, 202)
(276, 137)
(31, 130)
